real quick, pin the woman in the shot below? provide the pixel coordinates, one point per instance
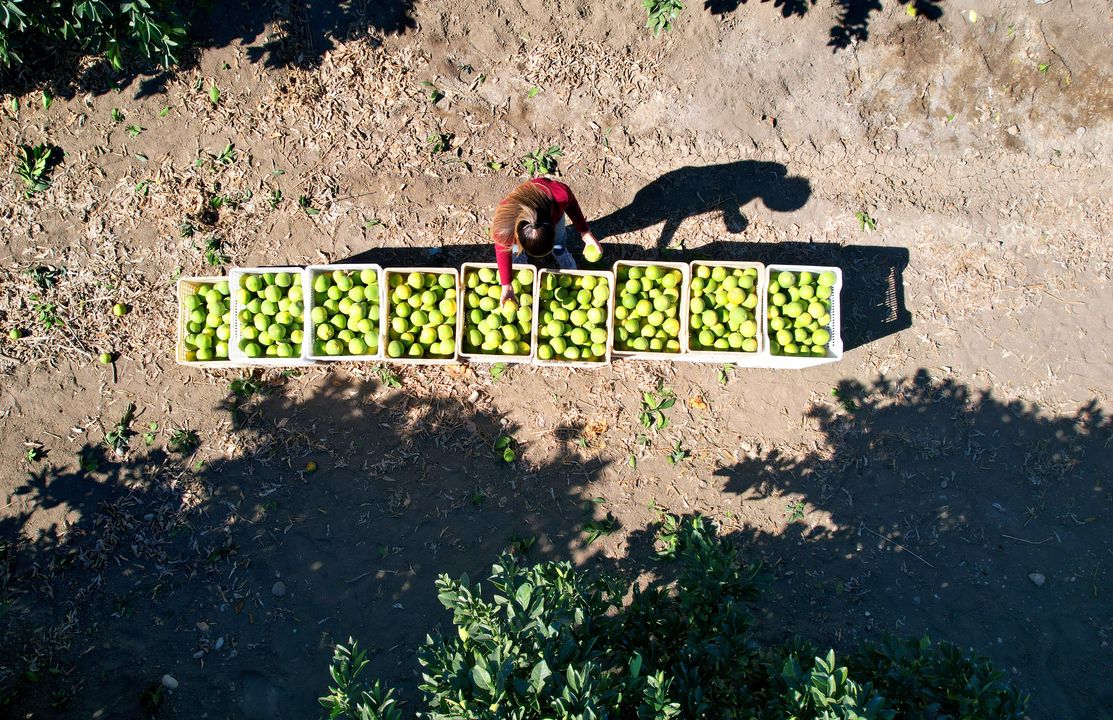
(530, 221)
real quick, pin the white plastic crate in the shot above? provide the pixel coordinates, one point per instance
(308, 277)
(462, 309)
(738, 357)
(685, 282)
(191, 284)
(234, 352)
(386, 316)
(834, 346)
(607, 310)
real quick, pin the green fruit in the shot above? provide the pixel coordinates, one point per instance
(592, 254)
(395, 349)
(786, 279)
(106, 358)
(826, 279)
(119, 309)
(821, 337)
(15, 333)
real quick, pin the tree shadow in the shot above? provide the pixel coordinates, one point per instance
(276, 35)
(925, 506)
(691, 191)
(854, 15)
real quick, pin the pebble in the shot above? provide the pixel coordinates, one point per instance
(169, 682)
(278, 589)
(1037, 578)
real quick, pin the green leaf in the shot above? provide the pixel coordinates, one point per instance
(48, 99)
(533, 92)
(214, 94)
(164, 112)
(481, 678)
(1044, 67)
(524, 594)
(538, 676)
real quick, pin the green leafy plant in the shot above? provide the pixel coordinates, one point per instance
(497, 370)
(678, 454)
(504, 448)
(542, 162)
(214, 253)
(724, 373)
(33, 454)
(47, 313)
(121, 433)
(135, 130)
(214, 94)
(547, 641)
(153, 29)
(654, 405)
(227, 156)
(243, 388)
(33, 165)
(435, 95)
(116, 115)
(389, 378)
(307, 205)
(439, 143)
(183, 441)
(865, 222)
(149, 436)
(795, 511)
(595, 529)
(45, 276)
(661, 14)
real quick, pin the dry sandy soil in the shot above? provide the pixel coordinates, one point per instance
(951, 475)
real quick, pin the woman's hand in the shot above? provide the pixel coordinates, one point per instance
(589, 239)
(508, 295)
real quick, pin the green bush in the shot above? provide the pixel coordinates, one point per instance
(548, 641)
(30, 29)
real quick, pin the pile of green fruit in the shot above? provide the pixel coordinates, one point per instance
(422, 314)
(723, 309)
(345, 314)
(647, 315)
(573, 322)
(207, 323)
(799, 312)
(493, 329)
(271, 314)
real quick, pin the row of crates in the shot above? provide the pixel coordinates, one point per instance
(231, 339)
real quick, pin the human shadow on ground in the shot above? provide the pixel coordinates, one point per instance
(873, 301)
(302, 33)
(854, 15)
(697, 190)
(923, 507)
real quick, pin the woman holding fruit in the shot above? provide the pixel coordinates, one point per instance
(530, 221)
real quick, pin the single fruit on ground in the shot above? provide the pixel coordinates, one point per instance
(345, 312)
(208, 320)
(572, 323)
(723, 309)
(106, 358)
(15, 333)
(647, 314)
(119, 309)
(493, 329)
(421, 315)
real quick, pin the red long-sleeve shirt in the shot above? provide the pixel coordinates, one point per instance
(564, 203)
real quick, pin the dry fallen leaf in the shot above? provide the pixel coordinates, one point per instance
(698, 403)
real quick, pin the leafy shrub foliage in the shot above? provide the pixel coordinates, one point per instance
(548, 641)
(30, 29)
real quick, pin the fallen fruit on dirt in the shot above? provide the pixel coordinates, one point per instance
(208, 326)
(311, 466)
(491, 328)
(119, 309)
(15, 333)
(723, 309)
(647, 309)
(106, 358)
(573, 322)
(799, 312)
(592, 254)
(345, 312)
(421, 315)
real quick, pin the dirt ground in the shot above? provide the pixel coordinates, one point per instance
(950, 476)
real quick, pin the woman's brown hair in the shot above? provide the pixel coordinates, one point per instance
(525, 216)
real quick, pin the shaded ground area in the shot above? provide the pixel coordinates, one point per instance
(923, 507)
